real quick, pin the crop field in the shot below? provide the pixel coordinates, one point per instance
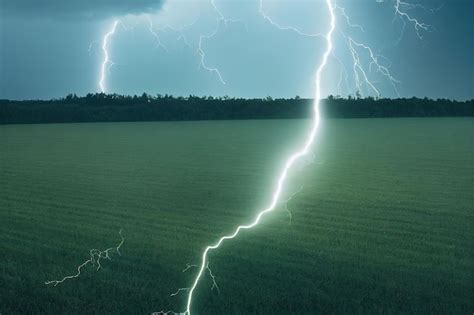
(382, 217)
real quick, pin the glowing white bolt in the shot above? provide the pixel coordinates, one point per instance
(106, 61)
(288, 165)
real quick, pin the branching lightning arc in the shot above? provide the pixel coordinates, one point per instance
(95, 256)
(106, 63)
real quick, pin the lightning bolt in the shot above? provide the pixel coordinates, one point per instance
(285, 28)
(360, 74)
(106, 62)
(359, 71)
(374, 62)
(155, 31)
(343, 75)
(156, 35)
(95, 256)
(287, 167)
(181, 31)
(400, 12)
(213, 278)
(348, 20)
(287, 204)
(221, 19)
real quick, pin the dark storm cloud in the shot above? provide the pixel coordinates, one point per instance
(90, 9)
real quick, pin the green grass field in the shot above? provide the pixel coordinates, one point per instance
(383, 222)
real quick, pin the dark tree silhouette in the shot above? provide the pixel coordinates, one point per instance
(113, 107)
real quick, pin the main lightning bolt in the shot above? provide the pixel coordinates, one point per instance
(287, 167)
(106, 62)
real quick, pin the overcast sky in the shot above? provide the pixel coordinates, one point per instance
(50, 48)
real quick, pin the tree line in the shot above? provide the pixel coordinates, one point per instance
(102, 107)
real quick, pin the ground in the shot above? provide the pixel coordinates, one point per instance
(381, 222)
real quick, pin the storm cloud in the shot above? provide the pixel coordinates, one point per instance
(86, 9)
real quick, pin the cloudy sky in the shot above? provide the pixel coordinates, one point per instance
(49, 48)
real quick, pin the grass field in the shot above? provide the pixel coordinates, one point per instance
(383, 222)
